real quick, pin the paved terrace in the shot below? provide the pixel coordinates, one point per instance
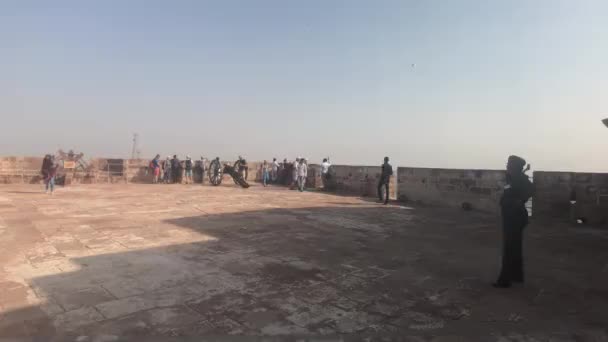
(98, 262)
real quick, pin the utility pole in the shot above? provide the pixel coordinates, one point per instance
(135, 150)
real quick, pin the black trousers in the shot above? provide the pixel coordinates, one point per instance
(512, 254)
(175, 172)
(382, 184)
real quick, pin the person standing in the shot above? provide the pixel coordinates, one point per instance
(203, 168)
(325, 172)
(284, 173)
(175, 169)
(46, 162)
(517, 192)
(302, 174)
(275, 170)
(265, 176)
(44, 170)
(294, 174)
(167, 171)
(385, 179)
(50, 171)
(188, 167)
(155, 166)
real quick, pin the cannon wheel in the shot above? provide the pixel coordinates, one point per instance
(215, 172)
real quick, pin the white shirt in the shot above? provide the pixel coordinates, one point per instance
(302, 170)
(275, 165)
(325, 167)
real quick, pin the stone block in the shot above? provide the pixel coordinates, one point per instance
(583, 177)
(468, 182)
(481, 191)
(125, 306)
(71, 320)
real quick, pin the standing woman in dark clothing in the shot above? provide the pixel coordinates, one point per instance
(517, 192)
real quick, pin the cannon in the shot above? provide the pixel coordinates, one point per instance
(217, 171)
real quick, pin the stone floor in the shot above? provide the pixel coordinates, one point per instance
(110, 262)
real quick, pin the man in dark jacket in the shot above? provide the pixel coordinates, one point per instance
(517, 192)
(385, 179)
(176, 169)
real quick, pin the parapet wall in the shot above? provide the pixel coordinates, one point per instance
(354, 180)
(20, 170)
(571, 196)
(451, 187)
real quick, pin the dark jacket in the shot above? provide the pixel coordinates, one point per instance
(46, 165)
(387, 172)
(175, 164)
(516, 194)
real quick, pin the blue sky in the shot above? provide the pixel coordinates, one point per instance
(313, 78)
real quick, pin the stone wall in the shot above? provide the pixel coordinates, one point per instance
(27, 170)
(452, 187)
(20, 170)
(353, 180)
(571, 196)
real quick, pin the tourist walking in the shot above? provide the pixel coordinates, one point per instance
(325, 172)
(517, 192)
(155, 166)
(188, 167)
(302, 174)
(275, 170)
(385, 179)
(265, 175)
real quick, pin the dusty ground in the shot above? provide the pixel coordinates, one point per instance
(98, 262)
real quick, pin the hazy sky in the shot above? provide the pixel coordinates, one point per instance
(281, 78)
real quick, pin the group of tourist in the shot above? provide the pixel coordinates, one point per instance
(172, 170)
(292, 174)
(175, 171)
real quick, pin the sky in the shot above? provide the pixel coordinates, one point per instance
(429, 83)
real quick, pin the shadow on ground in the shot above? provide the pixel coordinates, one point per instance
(355, 270)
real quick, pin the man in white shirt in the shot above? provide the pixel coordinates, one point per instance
(274, 174)
(294, 174)
(325, 172)
(302, 173)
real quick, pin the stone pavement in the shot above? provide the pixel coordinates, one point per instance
(109, 262)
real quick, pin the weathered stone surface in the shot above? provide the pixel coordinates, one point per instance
(99, 262)
(452, 187)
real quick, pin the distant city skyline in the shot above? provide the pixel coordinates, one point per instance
(459, 84)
